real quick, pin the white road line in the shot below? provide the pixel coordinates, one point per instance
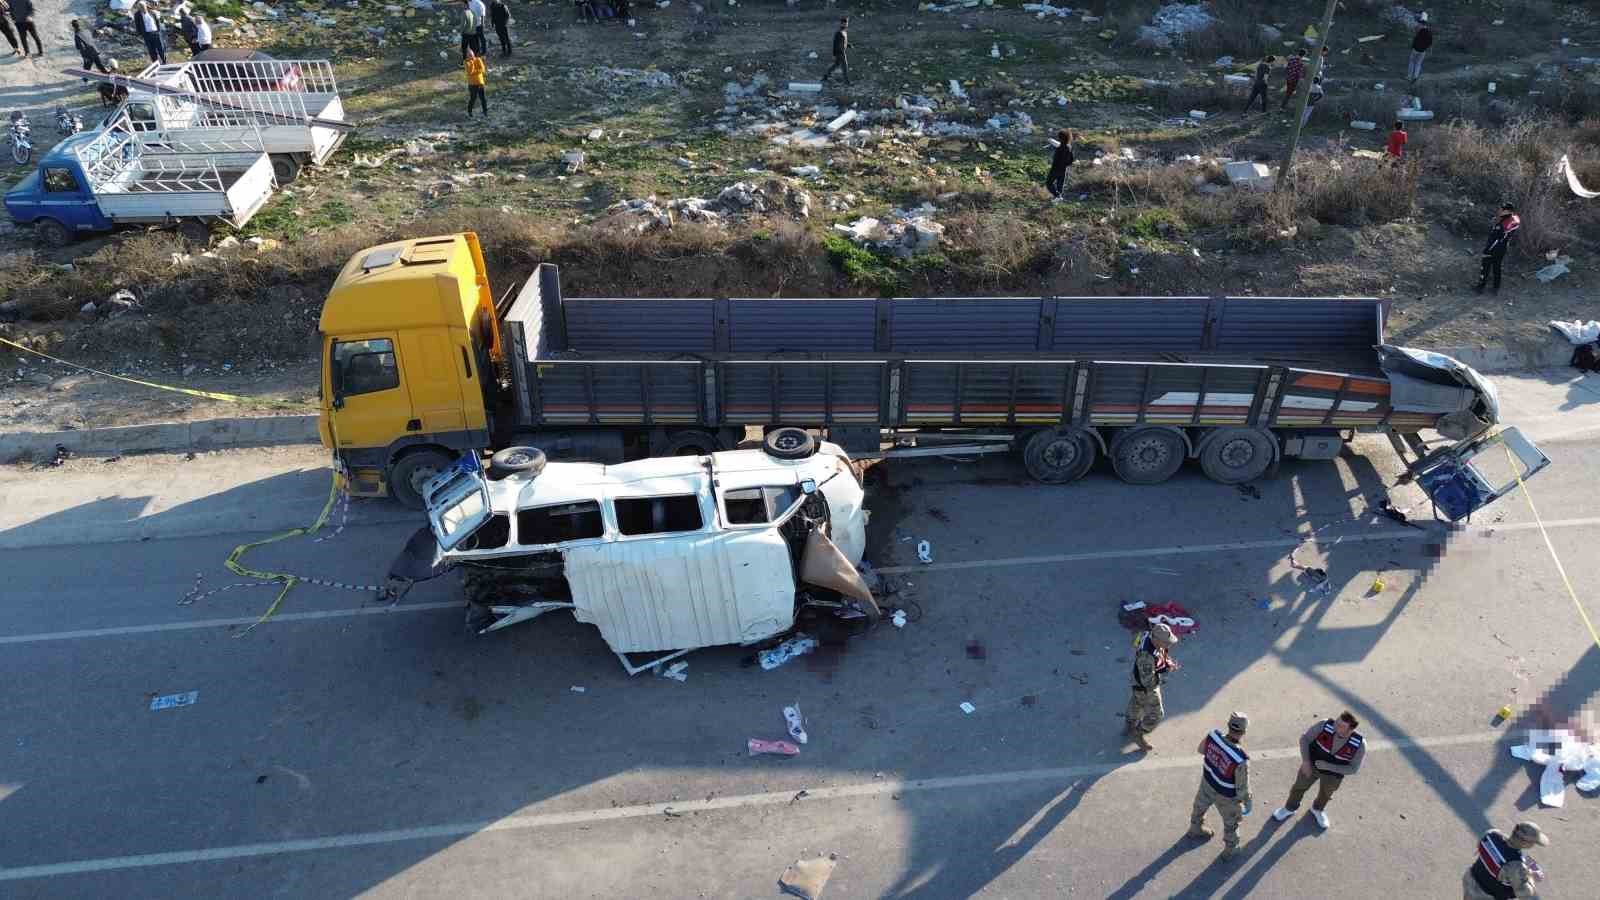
(877, 788)
(1401, 534)
(223, 623)
(1392, 534)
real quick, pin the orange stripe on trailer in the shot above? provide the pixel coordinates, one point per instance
(1335, 382)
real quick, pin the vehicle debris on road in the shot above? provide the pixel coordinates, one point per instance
(760, 747)
(807, 877)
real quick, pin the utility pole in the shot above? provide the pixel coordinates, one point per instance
(1300, 108)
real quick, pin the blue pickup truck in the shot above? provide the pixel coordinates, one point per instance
(98, 181)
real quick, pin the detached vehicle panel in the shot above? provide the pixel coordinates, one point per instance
(661, 555)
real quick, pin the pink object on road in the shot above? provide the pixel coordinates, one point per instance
(759, 747)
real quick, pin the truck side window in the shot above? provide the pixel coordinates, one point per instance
(60, 181)
(758, 505)
(364, 367)
(656, 515)
(554, 524)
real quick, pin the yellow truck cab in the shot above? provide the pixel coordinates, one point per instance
(410, 346)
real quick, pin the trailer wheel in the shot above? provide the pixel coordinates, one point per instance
(195, 232)
(690, 443)
(789, 443)
(285, 168)
(515, 460)
(411, 473)
(1236, 455)
(1147, 455)
(1058, 455)
(52, 233)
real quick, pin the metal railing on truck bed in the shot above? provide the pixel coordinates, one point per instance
(295, 88)
(950, 393)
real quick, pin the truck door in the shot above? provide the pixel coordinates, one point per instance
(435, 379)
(371, 406)
(65, 198)
(1478, 473)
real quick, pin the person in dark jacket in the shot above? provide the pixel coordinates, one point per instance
(186, 27)
(1501, 234)
(1420, 43)
(6, 29)
(22, 14)
(841, 50)
(87, 49)
(500, 17)
(1259, 87)
(1057, 179)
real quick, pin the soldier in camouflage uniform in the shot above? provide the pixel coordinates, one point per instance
(1151, 663)
(1224, 783)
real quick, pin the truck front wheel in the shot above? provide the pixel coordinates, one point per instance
(411, 473)
(52, 233)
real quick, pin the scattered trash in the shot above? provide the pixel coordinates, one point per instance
(956, 90)
(1367, 39)
(968, 708)
(759, 747)
(170, 701)
(796, 723)
(678, 671)
(1139, 616)
(842, 120)
(805, 87)
(799, 645)
(1197, 114)
(1554, 270)
(1578, 333)
(1491, 87)
(924, 552)
(975, 650)
(1363, 125)
(1564, 167)
(899, 618)
(1264, 603)
(1415, 115)
(578, 689)
(807, 877)
(1253, 175)
(573, 161)
(994, 51)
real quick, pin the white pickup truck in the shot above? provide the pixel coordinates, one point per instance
(291, 105)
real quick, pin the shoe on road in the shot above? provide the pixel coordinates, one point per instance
(1142, 743)
(1230, 852)
(1282, 812)
(1322, 819)
(1201, 833)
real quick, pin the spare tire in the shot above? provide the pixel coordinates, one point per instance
(789, 443)
(516, 460)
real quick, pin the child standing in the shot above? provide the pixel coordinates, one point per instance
(476, 79)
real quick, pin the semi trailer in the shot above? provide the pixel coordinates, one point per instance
(422, 362)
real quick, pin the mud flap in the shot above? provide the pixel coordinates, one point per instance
(1480, 472)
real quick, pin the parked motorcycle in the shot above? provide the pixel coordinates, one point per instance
(21, 139)
(68, 122)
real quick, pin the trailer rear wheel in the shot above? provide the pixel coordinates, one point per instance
(1147, 455)
(1057, 456)
(1237, 455)
(690, 442)
(195, 232)
(285, 168)
(789, 443)
(52, 233)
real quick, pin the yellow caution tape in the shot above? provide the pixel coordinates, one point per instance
(288, 580)
(208, 395)
(1582, 613)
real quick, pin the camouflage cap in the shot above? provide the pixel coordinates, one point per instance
(1238, 721)
(1162, 634)
(1528, 833)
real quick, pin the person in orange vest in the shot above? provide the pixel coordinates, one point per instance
(476, 79)
(1224, 783)
(1329, 751)
(1502, 871)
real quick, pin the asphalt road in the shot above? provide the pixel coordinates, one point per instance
(344, 747)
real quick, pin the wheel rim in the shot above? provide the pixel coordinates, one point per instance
(518, 458)
(787, 440)
(1237, 453)
(421, 475)
(1061, 453)
(1148, 454)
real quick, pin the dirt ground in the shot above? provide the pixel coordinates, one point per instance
(658, 93)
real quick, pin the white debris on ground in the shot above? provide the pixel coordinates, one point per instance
(1567, 753)
(1400, 17)
(909, 232)
(1179, 20)
(742, 198)
(619, 82)
(797, 122)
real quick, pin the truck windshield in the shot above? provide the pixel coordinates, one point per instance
(364, 367)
